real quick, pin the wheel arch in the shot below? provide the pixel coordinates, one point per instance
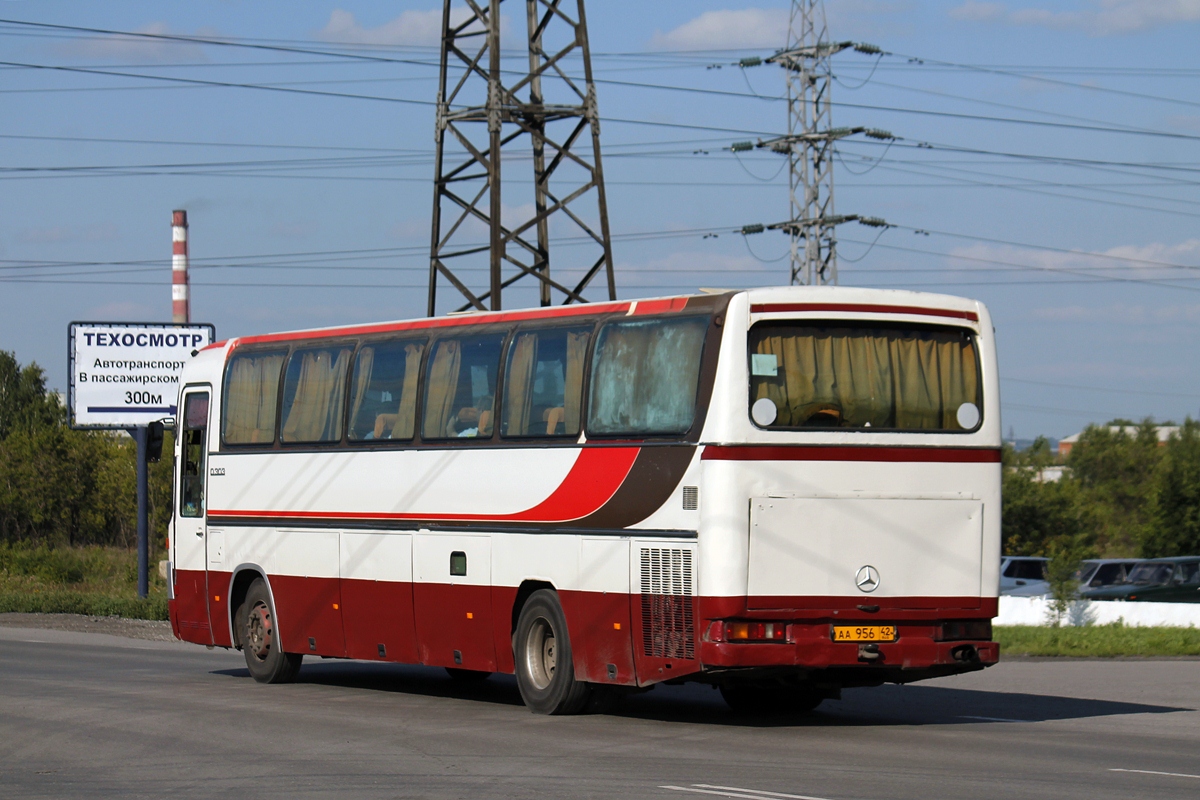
(524, 592)
(239, 584)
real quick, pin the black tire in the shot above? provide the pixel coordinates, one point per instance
(542, 652)
(468, 675)
(771, 699)
(265, 658)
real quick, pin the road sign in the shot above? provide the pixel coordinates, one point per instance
(126, 374)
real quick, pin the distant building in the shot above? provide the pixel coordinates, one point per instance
(1164, 432)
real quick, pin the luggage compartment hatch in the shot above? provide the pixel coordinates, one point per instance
(827, 547)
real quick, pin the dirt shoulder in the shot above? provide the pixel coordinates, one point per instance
(151, 630)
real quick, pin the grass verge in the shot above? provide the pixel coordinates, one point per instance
(1097, 641)
(95, 604)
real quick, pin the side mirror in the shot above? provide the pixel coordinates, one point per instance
(154, 442)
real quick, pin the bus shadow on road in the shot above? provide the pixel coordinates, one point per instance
(400, 678)
(701, 704)
(885, 705)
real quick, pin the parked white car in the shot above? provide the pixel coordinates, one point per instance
(1023, 576)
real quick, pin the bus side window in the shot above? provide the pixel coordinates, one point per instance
(543, 382)
(251, 395)
(383, 401)
(191, 475)
(460, 387)
(314, 389)
(645, 373)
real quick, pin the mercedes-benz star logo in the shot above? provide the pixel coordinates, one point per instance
(867, 579)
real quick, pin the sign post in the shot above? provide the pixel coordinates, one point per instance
(125, 376)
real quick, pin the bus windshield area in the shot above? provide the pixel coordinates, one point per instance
(830, 375)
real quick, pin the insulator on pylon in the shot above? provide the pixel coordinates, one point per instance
(876, 133)
(749, 229)
(740, 147)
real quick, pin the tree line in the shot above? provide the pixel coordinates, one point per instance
(1121, 494)
(64, 487)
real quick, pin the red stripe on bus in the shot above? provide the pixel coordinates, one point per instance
(970, 455)
(442, 322)
(659, 306)
(591, 482)
(866, 308)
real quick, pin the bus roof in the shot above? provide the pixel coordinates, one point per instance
(790, 299)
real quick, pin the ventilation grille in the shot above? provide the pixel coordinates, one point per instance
(668, 624)
(691, 498)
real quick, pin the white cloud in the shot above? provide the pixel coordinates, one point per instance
(412, 27)
(768, 27)
(1096, 17)
(721, 30)
(1134, 260)
(1120, 314)
(134, 48)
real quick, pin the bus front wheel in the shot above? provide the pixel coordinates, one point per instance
(265, 658)
(542, 652)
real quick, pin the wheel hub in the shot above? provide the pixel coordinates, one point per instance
(259, 631)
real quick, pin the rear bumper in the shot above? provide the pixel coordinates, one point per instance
(919, 650)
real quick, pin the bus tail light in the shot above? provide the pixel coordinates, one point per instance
(967, 629)
(722, 631)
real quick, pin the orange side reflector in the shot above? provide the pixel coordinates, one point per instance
(470, 615)
(616, 626)
(335, 606)
(216, 598)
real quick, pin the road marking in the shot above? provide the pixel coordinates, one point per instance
(992, 719)
(738, 792)
(1153, 772)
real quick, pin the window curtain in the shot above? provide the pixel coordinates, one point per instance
(316, 410)
(407, 411)
(576, 354)
(250, 397)
(518, 399)
(362, 379)
(891, 379)
(441, 389)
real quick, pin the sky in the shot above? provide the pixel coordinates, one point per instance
(1046, 163)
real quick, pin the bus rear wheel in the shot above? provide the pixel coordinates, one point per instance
(542, 652)
(265, 658)
(771, 699)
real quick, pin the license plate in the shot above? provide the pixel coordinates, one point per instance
(864, 633)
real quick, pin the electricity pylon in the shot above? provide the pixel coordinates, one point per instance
(806, 60)
(486, 110)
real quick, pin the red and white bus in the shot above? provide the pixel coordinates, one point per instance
(779, 491)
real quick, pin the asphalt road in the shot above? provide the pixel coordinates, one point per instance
(92, 715)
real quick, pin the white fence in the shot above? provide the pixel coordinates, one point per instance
(1036, 611)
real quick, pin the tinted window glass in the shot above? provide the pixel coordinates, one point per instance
(460, 387)
(644, 376)
(383, 400)
(314, 392)
(1151, 574)
(191, 472)
(1026, 570)
(543, 383)
(251, 394)
(830, 376)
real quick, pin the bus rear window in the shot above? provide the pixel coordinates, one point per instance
(885, 378)
(644, 376)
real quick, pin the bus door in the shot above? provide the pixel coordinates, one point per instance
(190, 545)
(452, 598)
